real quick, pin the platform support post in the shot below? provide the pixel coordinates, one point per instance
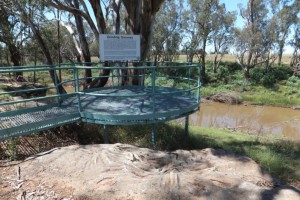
(153, 134)
(77, 87)
(186, 128)
(105, 134)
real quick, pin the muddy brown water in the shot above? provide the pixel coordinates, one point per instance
(258, 120)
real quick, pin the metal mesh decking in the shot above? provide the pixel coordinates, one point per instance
(22, 124)
(42, 115)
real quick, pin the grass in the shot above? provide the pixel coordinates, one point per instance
(283, 92)
(270, 98)
(258, 94)
(280, 158)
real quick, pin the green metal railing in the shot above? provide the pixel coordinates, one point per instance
(184, 78)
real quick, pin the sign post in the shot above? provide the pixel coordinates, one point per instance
(119, 47)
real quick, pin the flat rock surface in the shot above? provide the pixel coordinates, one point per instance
(118, 171)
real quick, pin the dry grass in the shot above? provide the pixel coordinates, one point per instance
(286, 58)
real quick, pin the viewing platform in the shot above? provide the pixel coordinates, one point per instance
(165, 92)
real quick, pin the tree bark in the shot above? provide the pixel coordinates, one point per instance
(84, 46)
(139, 20)
(15, 57)
(203, 73)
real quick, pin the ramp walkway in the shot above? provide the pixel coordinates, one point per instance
(167, 92)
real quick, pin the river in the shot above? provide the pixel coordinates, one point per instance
(258, 120)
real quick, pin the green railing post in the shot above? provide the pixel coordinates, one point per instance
(190, 77)
(153, 102)
(77, 86)
(199, 83)
(153, 88)
(56, 86)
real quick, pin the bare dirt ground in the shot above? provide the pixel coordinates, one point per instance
(119, 171)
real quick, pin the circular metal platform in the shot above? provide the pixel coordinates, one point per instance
(134, 105)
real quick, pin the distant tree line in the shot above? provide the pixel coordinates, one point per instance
(55, 31)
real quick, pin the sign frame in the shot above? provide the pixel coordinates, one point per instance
(117, 47)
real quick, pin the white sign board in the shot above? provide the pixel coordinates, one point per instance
(119, 47)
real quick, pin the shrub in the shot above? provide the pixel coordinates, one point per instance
(269, 77)
(256, 75)
(281, 72)
(268, 80)
(293, 81)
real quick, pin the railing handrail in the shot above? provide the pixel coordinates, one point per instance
(12, 69)
(152, 73)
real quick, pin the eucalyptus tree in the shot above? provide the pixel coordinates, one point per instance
(251, 40)
(139, 16)
(222, 33)
(62, 45)
(167, 31)
(199, 26)
(30, 12)
(10, 32)
(284, 16)
(295, 43)
(138, 19)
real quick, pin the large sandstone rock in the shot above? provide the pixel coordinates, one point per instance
(127, 172)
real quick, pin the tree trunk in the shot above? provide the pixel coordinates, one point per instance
(139, 20)
(215, 63)
(246, 73)
(15, 57)
(84, 46)
(203, 74)
(281, 46)
(101, 81)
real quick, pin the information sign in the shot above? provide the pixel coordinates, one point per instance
(119, 47)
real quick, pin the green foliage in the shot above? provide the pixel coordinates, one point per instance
(269, 77)
(231, 66)
(268, 80)
(227, 73)
(293, 81)
(257, 74)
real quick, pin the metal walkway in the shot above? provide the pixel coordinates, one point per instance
(112, 105)
(17, 124)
